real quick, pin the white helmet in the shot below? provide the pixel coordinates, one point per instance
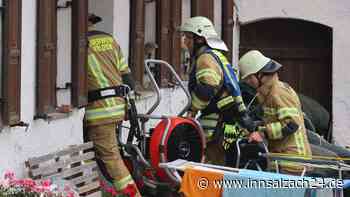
(254, 61)
(203, 27)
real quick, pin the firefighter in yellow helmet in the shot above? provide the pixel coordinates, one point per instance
(213, 84)
(107, 72)
(283, 118)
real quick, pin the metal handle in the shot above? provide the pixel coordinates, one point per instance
(154, 84)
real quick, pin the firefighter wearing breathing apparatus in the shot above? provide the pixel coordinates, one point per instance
(283, 118)
(213, 83)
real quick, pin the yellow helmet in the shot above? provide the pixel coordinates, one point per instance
(203, 27)
(254, 61)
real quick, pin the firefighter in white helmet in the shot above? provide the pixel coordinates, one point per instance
(213, 83)
(283, 118)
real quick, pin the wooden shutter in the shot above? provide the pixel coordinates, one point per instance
(227, 25)
(46, 57)
(176, 15)
(12, 61)
(79, 52)
(169, 13)
(164, 37)
(137, 39)
(203, 8)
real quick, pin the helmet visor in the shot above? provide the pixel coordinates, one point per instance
(216, 43)
(271, 67)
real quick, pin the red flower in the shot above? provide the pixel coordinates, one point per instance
(102, 183)
(46, 183)
(114, 193)
(9, 175)
(28, 183)
(109, 189)
(70, 194)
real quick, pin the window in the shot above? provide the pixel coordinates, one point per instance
(11, 61)
(167, 41)
(47, 55)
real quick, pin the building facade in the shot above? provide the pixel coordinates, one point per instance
(44, 53)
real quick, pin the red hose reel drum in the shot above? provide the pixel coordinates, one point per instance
(184, 140)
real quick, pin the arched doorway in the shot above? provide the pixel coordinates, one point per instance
(304, 48)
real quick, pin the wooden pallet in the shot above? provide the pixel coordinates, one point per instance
(74, 164)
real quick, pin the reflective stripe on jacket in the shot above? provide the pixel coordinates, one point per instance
(213, 69)
(281, 105)
(105, 67)
(205, 71)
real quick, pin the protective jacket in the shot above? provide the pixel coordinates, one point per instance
(105, 68)
(282, 109)
(206, 82)
(214, 88)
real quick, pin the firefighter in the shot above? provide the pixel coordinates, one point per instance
(283, 118)
(107, 72)
(213, 84)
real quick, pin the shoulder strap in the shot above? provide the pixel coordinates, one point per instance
(229, 74)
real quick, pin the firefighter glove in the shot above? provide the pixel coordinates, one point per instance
(231, 134)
